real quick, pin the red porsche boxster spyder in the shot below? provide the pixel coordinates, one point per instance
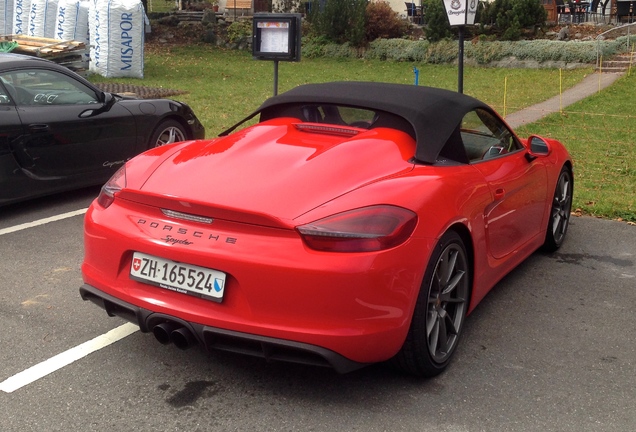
(353, 223)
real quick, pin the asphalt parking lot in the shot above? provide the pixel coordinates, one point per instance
(551, 348)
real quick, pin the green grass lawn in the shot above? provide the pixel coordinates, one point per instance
(161, 5)
(600, 133)
(225, 86)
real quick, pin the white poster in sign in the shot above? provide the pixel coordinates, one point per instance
(457, 13)
(274, 37)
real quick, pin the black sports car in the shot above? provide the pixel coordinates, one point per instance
(60, 132)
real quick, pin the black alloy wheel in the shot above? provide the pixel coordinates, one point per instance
(560, 211)
(440, 311)
(168, 132)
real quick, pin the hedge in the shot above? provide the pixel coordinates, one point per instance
(480, 52)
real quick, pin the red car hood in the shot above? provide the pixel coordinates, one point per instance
(278, 171)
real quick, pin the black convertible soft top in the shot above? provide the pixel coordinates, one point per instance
(433, 113)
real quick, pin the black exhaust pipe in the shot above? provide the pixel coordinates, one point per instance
(162, 332)
(182, 338)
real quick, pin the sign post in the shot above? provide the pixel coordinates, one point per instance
(460, 14)
(276, 37)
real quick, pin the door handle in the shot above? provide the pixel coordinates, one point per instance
(38, 127)
(499, 194)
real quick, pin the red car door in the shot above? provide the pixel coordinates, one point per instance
(519, 191)
(518, 186)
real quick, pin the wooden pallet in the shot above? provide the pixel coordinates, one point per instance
(43, 47)
(72, 54)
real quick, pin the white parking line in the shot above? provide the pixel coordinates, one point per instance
(40, 370)
(42, 221)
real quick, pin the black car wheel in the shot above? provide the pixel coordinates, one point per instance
(440, 310)
(167, 132)
(560, 212)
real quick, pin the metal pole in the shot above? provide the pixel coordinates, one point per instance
(460, 72)
(275, 77)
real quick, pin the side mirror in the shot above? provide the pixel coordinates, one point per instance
(539, 147)
(107, 100)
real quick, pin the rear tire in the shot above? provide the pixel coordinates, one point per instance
(560, 212)
(168, 131)
(440, 311)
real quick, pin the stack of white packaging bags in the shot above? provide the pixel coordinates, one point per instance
(114, 29)
(42, 18)
(21, 12)
(72, 22)
(117, 38)
(6, 17)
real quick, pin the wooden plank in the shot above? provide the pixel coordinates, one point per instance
(44, 46)
(238, 4)
(43, 42)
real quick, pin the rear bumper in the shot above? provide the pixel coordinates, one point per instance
(271, 349)
(358, 305)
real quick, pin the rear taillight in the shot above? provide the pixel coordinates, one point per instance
(365, 229)
(116, 183)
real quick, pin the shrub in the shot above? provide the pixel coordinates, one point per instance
(340, 51)
(239, 31)
(511, 16)
(284, 6)
(437, 26)
(398, 50)
(312, 50)
(340, 21)
(442, 52)
(383, 22)
(486, 52)
(546, 52)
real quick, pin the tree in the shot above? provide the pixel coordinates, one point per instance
(511, 16)
(383, 22)
(437, 26)
(340, 21)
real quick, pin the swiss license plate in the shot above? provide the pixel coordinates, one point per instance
(175, 276)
